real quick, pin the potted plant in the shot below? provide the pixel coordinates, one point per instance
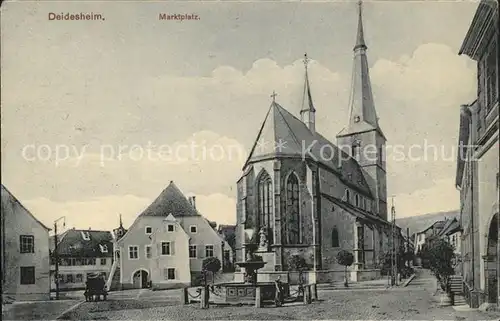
(440, 256)
(346, 259)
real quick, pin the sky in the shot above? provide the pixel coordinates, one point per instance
(89, 107)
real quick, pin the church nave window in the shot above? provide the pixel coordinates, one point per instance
(335, 237)
(356, 200)
(265, 200)
(292, 210)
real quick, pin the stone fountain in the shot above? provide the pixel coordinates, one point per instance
(245, 292)
(251, 264)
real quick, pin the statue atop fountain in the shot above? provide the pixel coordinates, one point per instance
(263, 242)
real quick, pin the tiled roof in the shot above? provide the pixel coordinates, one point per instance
(356, 211)
(281, 127)
(226, 229)
(74, 243)
(451, 226)
(171, 200)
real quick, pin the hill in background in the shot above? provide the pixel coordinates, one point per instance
(421, 222)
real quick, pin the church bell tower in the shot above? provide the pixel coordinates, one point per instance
(363, 138)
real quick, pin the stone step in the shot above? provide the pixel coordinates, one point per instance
(328, 286)
(459, 300)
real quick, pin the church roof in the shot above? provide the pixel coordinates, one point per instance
(284, 135)
(170, 201)
(356, 211)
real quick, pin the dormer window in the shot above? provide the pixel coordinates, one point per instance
(149, 230)
(86, 235)
(355, 149)
(104, 248)
(347, 196)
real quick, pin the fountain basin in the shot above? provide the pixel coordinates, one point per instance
(251, 265)
(243, 293)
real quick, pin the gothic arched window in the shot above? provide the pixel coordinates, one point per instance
(347, 196)
(265, 200)
(356, 200)
(292, 210)
(335, 237)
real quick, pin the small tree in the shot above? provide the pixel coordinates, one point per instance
(440, 255)
(211, 264)
(297, 263)
(346, 259)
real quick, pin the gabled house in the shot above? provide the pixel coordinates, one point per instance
(228, 234)
(25, 253)
(420, 238)
(82, 254)
(452, 232)
(168, 255)
(139, 269)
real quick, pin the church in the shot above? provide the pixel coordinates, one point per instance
(301, 194)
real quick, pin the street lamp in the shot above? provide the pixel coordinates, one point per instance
(56, 256)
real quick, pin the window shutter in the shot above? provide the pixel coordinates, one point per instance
(201, 251)
(159, 249)
(172, 248)
(175, 274)
(165, 274)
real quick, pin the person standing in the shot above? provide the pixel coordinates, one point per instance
(278, 297)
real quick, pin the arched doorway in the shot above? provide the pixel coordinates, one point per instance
(140, 279)
(491, 262)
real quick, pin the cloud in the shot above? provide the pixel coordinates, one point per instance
(99, 213)
(417, 97)
(102, 213)
(441, 196)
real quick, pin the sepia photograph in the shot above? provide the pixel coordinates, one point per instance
(250, 160)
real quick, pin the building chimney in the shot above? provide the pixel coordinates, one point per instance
(192, 201)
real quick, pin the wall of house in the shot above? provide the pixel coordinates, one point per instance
(178, 259)
(487, 199)
(136, 236)
(205, 235)
(79, 273)
(19, 222)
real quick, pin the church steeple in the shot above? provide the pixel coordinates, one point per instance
(360, 38)
(363, 130)
(307, 113)
(362, 113)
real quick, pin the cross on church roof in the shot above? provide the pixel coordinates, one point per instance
(274, 96)
(306, 60)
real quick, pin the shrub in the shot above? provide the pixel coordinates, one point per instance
(297, 263)
(440, 255)
(211, 264)
(346, 259)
